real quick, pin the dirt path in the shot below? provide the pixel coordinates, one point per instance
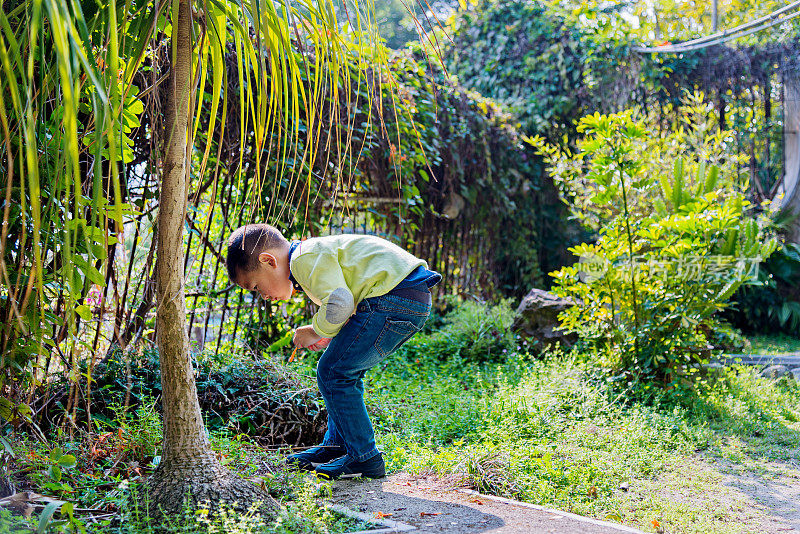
(429, 506)
(775, 492)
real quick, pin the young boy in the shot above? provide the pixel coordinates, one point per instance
(372, 296)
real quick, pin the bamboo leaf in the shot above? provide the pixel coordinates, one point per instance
(677, 184)
(711, 179)
(701, 178)
(47, 515)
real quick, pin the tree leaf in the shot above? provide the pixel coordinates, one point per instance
(677, 184)
(54, 472)
(67, 461)
(56, 453)
(83, 311)
(7, 446)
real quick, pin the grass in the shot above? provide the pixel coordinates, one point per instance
(469, 402)
(552, 432)
(774, 344)
(106, 471)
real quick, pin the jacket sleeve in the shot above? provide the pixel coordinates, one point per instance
(324, 278)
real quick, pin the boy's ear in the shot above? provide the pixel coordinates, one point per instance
(269, 259)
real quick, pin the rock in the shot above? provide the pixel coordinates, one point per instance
(775, 371)
(625, 486)
(537, 319)
(796, 374)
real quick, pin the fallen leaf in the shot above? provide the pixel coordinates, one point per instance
(476, 500)
(655, 523)
(423, 514)
(592, 492)
(381, 515)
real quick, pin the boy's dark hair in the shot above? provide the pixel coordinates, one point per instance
(246, 243)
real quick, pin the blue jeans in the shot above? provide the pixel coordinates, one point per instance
(379, 326)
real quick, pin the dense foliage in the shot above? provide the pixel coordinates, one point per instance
(773, 302)
(543, 430)
(677, 237)
(545, 68)
(434, 157)
(407, 154)
(416, 166)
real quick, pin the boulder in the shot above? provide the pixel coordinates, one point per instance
(537, 319)
(774, 371)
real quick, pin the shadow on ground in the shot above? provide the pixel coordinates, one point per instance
(759, 460)
(431, 506)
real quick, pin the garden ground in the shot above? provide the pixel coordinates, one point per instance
(469, 404)
(758, 501)
(431, 505)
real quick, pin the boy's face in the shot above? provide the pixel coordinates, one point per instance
(270, 279)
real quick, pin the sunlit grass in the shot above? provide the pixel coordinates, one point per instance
(774, 344)
(552, 433)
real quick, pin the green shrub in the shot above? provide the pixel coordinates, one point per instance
(140, 430)
(676, 238)
(235, 391)
(473, 331)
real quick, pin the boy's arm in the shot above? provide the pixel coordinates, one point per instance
(323, 277)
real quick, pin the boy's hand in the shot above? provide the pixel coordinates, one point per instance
(306, 338)
(321, 344)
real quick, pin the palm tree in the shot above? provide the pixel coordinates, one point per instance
(65, 97)
(188, 465)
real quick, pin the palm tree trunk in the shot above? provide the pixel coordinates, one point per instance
(791, 134)
(188, 466)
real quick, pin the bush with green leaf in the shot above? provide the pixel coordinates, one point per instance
(473, 331)
(677, 237)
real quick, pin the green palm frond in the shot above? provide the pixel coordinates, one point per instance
(71, 96)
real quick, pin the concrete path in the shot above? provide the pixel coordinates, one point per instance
(403, 502)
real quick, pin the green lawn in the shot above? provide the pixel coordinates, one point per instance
(780, 344)
(468, 401)
(553, 432)
(546, 432)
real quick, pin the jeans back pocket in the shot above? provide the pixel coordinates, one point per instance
(394, 334)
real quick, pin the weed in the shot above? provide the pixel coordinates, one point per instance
(556, 432)
(472, 331)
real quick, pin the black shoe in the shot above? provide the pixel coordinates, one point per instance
(315, 456)
(347, 467)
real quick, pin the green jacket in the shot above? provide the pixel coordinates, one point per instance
(339, 271)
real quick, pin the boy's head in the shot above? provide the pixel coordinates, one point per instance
(258, 260)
